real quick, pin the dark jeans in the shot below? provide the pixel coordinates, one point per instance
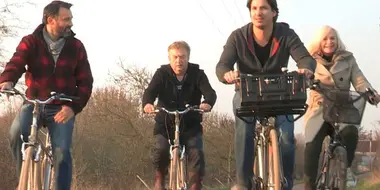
(349, 137)
(244, 150)
(193, 148)
(61, 138)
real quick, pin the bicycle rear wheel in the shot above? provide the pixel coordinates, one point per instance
(337, 171)
(274, 160)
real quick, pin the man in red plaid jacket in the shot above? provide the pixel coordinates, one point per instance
(52, 60)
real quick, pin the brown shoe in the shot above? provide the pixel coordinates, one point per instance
(160, 180)
(195, 181)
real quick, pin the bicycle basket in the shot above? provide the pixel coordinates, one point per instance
(273, 94)
(343, 106)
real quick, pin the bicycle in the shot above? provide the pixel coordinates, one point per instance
(32, 176)
(339, 107)
(177, 151)
(264, 96)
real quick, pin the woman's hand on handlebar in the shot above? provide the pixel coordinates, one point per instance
(149, 108)
(306, 72)
(231, 76)
(375, 98)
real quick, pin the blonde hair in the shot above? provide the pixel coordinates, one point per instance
(315, 45)
(179, 45)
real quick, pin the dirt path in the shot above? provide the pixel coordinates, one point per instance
(300, 186)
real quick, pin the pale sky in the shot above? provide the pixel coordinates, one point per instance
(140, 31)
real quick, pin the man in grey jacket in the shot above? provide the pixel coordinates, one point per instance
(262, 46)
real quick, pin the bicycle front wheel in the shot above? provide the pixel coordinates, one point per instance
(182, 177)
(337, 171)
(260, 164)
(174, 171)
(47, 174)
(274, 160)
(26, 170)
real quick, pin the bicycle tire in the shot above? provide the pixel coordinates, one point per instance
(338, 169)
(275, 161)
(47, 170)
(26, 168)
(183, 171)
(320, 180)
(259, 166)
(37, 174)
(173, 177)
(255, 180)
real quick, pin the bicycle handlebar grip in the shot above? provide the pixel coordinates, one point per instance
(72, 97)
(9, 92)
(195, 107)
(12, 91)
(370, 91)
(371, 96)
(63, 96)
(313, 83)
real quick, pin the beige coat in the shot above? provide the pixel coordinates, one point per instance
(343, 73)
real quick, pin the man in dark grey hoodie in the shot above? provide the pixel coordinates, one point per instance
(262, 46)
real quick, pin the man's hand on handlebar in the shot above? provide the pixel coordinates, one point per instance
(231, 76)
(205, 107)
(6, 86)
(306, 72)
(149, 108)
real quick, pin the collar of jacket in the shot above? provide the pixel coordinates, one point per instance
(278, 31)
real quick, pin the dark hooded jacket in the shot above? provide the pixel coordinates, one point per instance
(164, 87)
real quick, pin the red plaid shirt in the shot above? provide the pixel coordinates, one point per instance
(70, 75)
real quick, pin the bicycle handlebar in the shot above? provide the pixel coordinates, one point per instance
(189, 108)
(53, 96)
(314, 84)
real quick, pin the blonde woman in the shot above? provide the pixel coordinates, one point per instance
(336, 68)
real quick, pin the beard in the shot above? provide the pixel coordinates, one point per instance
(65, 32)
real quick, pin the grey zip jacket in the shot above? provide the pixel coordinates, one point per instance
(239, 49)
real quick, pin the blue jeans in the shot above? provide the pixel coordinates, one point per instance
(61, 138)
(244, 150)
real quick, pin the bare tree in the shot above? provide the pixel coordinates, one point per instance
(131, 78)
(9, 21)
